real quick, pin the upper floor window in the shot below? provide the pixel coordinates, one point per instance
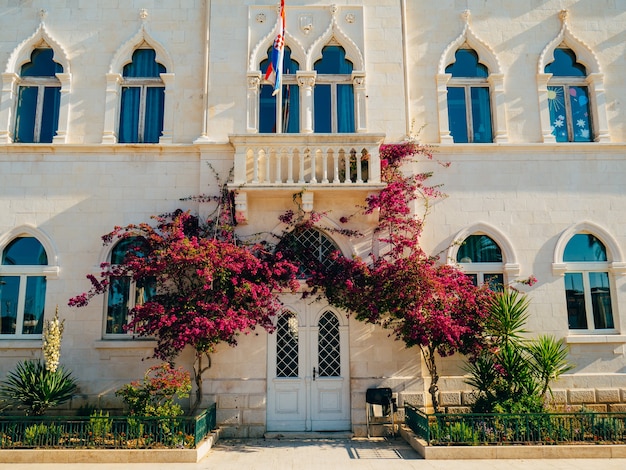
(469, 104)
(124, 292)
(23, 287)
(142, 100)
(38, 98)
(480, 257)
(286, 105)
(587, 284)
(568, 98)
(333, 102)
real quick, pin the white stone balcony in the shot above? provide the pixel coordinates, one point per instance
(297, 162)
(312, 161)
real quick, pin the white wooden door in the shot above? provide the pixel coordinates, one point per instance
(308, 372)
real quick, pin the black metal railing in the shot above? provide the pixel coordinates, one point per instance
(108, 432)
(517, 428)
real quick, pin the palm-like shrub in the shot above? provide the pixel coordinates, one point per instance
(514, 373)
(34, 388)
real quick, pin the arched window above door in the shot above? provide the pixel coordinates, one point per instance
(311, 248)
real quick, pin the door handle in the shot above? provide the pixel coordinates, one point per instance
(314, 371)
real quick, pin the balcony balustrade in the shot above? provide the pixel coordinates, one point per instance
(306, 160)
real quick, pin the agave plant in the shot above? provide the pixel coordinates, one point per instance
(34, 388)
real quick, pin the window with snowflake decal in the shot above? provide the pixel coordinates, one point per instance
(568, 98)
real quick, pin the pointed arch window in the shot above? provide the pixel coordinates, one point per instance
(38, 98)
(480, 257)
(142, 99)
(469, 103)
(568, 98)
(587, 284)
(23, 287)
(124, 292)
(334, 93)
(286, 105)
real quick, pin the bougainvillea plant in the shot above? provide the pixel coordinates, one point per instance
(425, 303)
(210, 288)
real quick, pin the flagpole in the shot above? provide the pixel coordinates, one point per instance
(279, 114)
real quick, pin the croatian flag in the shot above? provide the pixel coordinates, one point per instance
(275, 70)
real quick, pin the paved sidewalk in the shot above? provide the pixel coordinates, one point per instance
(330, 454)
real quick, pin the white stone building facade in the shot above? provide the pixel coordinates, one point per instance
(523, 98)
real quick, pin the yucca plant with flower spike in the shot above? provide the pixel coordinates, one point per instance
(37, 385)
(51, 347)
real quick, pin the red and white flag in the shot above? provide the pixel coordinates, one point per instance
(275, 69)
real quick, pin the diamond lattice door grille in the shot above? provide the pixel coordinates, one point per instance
(329, 359)
(287, 346)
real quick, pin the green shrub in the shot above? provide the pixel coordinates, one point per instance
(41, 435)
(34, 388)
(155, 395)
(100, 424)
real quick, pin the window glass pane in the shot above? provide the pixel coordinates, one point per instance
(575, 297)
(457, 118)
(50, 114)
(558, 113)
(145, 290)
(601, 300)
(322, 104)
(291, 108)
(143, 65)
(9, 290)
(584, 247)
(328, 346)
(481, 114)
(290, 99)
(34, 305)
(25, 114)
(345, 108)
(466, 65)
(24, 250)
(479, 249)
(579, 103)
(153, 126)
(117, 305)
(41, 64)
(495, 281)
(267, 110)
(333, 61)
(135, 244)
(473, 277)
(129, 115)
(565, 65)
(287, 346)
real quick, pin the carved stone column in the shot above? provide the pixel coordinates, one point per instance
(360, 102)
(306, 82)
(111, 106)
(7, 100)
(252, 118)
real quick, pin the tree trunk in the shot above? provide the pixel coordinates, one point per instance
(431, 365)
(198, 370)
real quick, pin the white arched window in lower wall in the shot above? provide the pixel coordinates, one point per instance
(588, 260)
(27, 262)
(485, 255)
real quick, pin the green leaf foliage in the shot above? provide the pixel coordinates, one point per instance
(34, 388)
